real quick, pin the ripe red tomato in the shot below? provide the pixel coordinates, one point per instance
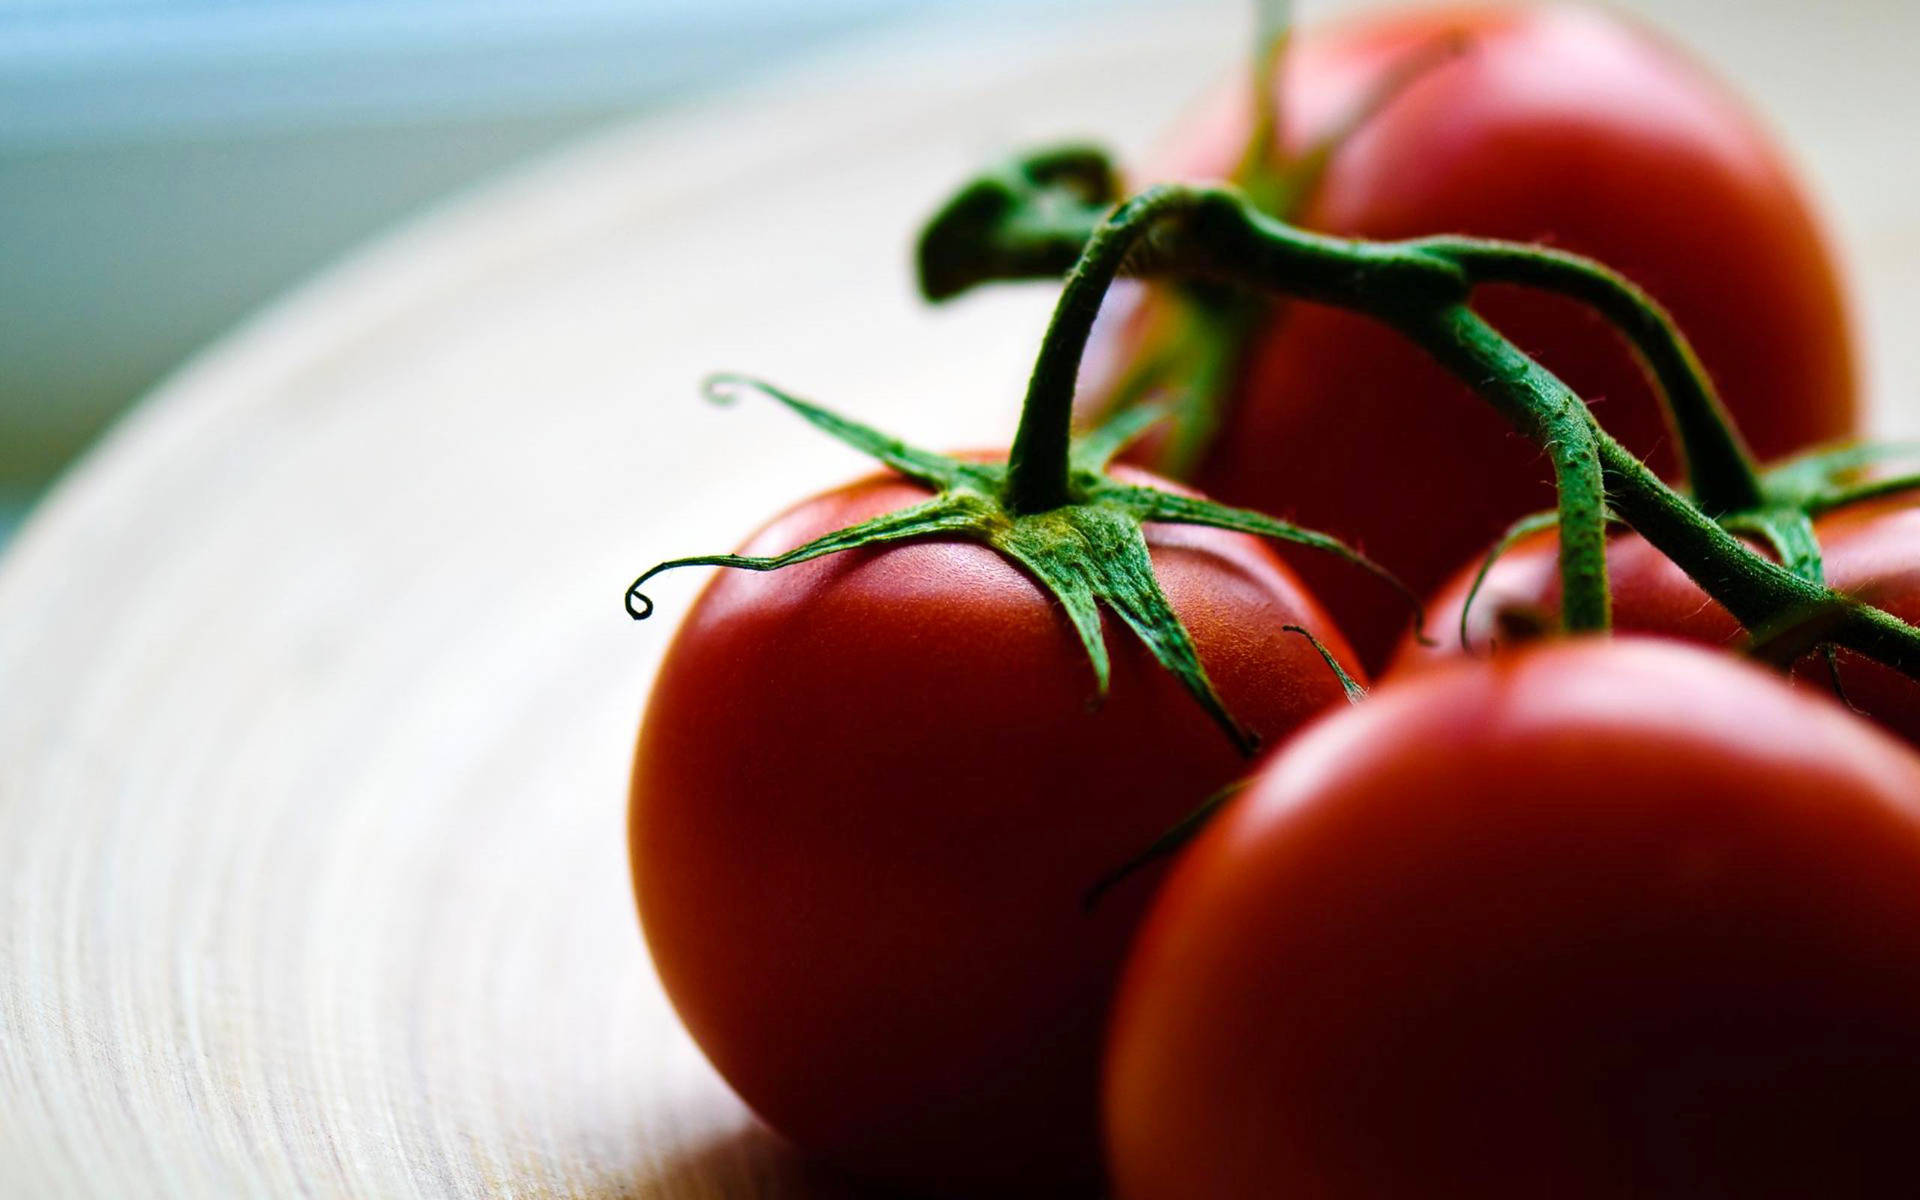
(1561, 125)
(1596, 919)
(869, 794)
(1871, 551)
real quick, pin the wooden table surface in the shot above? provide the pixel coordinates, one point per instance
(318, 694)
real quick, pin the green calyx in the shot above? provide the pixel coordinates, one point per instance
(1088, 552)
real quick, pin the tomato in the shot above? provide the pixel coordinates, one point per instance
(1565, 126)
(1595, 919)
(869, 795)
(1871, 551)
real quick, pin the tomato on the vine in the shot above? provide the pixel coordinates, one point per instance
(1870, 551)
(1590, 919)
(869, 796)
(1565, 126)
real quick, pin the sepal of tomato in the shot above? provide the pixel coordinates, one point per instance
(1595, 918)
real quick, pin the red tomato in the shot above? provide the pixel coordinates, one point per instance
(1597, 919)
(869, 795)
(1871, 550)
(1564, 126)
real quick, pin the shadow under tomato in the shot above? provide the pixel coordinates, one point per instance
(750, 1163)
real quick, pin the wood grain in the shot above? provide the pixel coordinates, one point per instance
(318, 691)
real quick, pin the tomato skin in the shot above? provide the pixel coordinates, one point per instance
(1871, 551)
(1591, 920)
(869, 794)
(1558, 125)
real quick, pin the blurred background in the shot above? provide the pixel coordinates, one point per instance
(167, 166)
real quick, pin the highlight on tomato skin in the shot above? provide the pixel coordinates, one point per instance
(1564, 125)
(869, 795)
(1870, 551)
(1591, 919)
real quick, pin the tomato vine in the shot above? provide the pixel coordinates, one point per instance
(1014, 224)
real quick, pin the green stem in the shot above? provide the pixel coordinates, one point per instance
(1038, 465)
(1719, 468)
(1536, 403)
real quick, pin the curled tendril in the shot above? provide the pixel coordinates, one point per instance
(635, 596)
(948, 513)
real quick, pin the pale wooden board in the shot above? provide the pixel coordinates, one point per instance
(318, 693)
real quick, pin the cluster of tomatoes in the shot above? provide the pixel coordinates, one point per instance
(1567, 916)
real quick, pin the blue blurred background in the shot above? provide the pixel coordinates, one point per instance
(168, 165)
